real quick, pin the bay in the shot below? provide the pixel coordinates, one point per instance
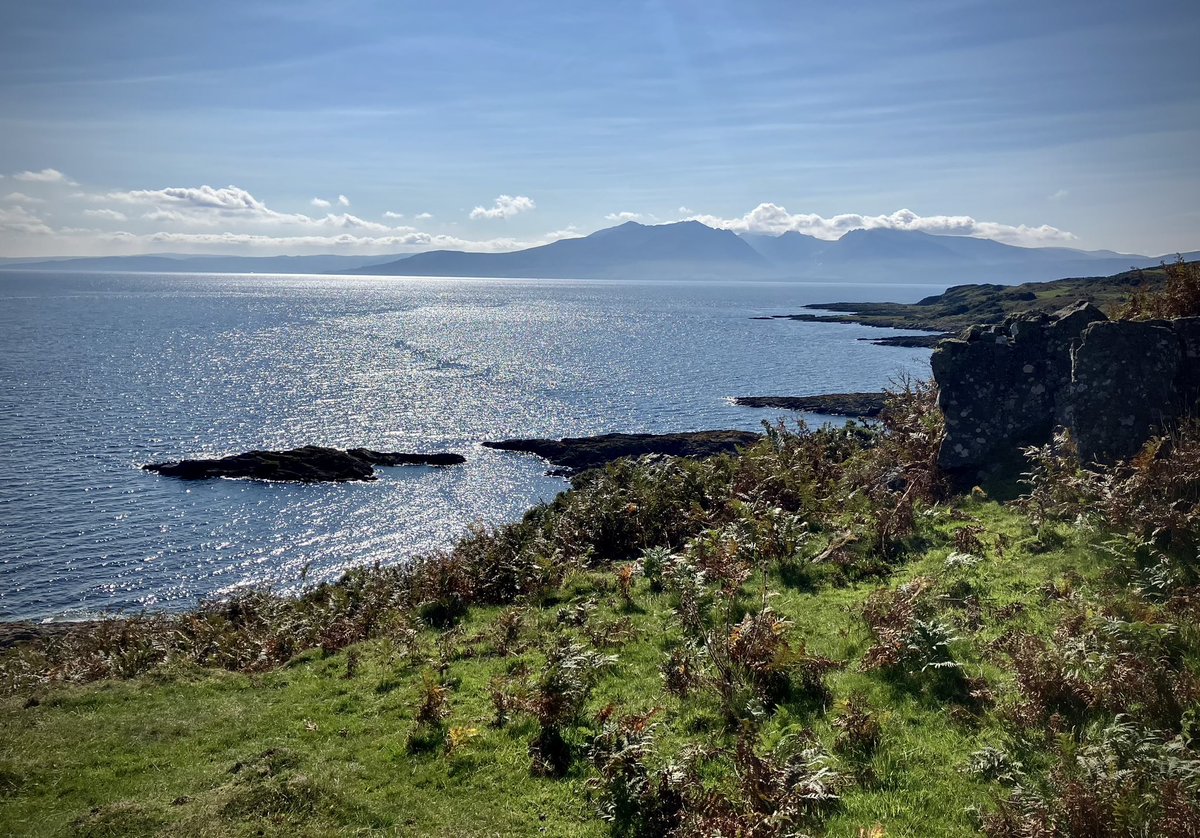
(101, 373)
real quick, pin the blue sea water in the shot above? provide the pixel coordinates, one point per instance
(102, 373)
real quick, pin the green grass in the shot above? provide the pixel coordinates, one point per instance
(306, 750)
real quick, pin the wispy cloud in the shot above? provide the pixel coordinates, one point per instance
(44, 176)
(423, 216)
(320, 203)
(774, 219)
(343, 200)
(106, 214)
(505, 206)
(22, 198)
(390, 214)
(624, 216)
(18, 219)
(1058, 196)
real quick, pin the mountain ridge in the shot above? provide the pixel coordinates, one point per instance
(679, 250)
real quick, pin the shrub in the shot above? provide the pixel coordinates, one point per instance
(859, 731)
(1177, 296)
(1121, 780)
(778, 794)
(636, 800)
(562, 691)
(753, 668)
(681, 671)
(908, 636)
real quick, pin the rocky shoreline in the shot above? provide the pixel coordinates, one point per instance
(307, 464)
(574, 454)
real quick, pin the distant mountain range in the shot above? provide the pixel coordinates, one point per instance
(683, 250)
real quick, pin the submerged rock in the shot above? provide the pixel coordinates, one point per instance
(573, 454)
(309, 464)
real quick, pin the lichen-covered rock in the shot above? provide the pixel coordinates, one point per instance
(1112, 383)
(1123, 387)
(999, 386)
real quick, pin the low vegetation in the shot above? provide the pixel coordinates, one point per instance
(814, 636)
(1134, 294)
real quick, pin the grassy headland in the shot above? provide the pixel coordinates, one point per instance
(809, 637)
(966, 305)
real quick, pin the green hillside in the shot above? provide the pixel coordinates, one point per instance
(810, 637)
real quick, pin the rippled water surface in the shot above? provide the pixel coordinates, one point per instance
(102, 373)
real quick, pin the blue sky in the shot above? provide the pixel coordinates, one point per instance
(495, 125)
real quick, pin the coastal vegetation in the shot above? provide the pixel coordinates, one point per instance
(817, 634)
(1136, 293)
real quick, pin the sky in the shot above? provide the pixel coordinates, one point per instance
(390, 127)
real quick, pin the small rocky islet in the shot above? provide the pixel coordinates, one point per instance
(854, 405)
(575, 454)
(307, 464)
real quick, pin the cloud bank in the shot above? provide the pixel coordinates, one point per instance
(772, 219)
(230, 219)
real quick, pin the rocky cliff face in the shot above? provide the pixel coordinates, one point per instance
(1112, 383)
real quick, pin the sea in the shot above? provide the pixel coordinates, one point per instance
(102, 373)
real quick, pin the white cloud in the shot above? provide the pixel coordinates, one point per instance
(44, 176)
(226, 199)
(347, 221)
(774, 219)
(505, 206)
(22, 198)
(1058, 196)
(686, 211)
(390, 214)
(423, 216)
(17, 219)
(107, 214)
(171, 216)
(623, 216)
(343, 200)
(208, 206)
(320, 203)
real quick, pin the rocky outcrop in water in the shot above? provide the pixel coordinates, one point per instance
(309, 464)
(573, 454)
(866, 405)
(1112, 383)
